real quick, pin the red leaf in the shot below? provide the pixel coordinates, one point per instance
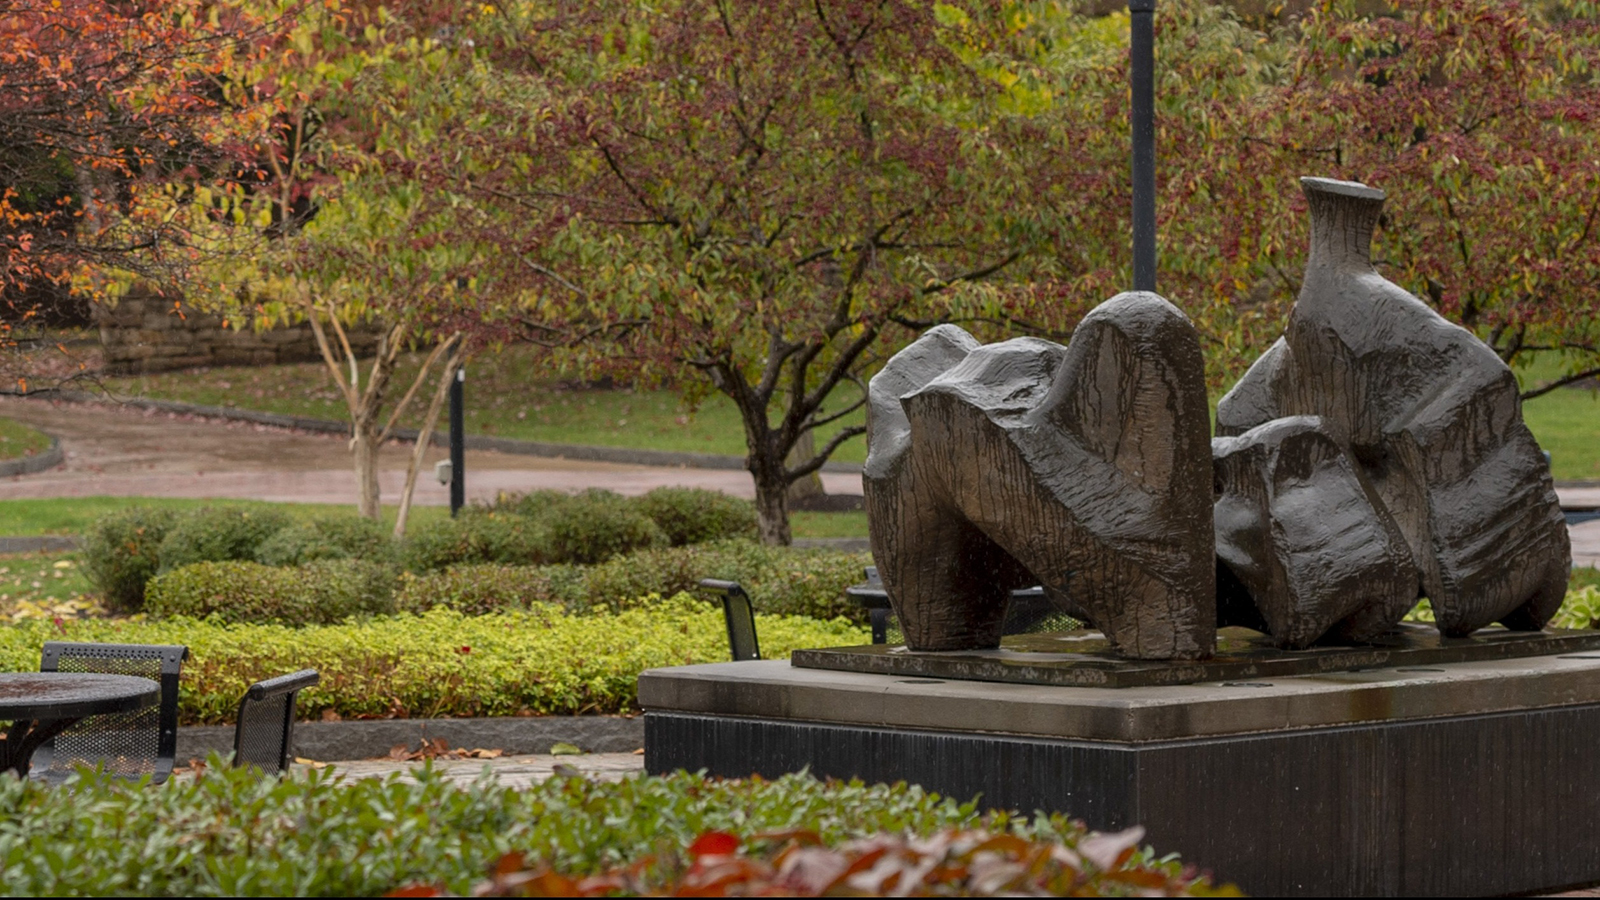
(714, 843)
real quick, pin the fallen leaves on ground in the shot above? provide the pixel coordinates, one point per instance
(439, 748)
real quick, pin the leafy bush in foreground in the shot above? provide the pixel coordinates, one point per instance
(122, 551)
(320, 592)
(219, 533)
(950, 863)
(441, 663)
(229, 832)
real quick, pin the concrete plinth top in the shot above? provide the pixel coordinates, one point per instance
(775, 689)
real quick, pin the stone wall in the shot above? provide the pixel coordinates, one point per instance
(145, 333)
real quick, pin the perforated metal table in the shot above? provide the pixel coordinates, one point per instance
(40, 705)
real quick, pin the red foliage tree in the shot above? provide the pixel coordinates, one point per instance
(98, 100)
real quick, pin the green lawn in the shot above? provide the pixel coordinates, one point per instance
(73, 515)
(507, 396)
(17, 439)
(1566, 421)
(37, 585)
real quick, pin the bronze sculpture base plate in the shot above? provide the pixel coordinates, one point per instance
(1084, 659)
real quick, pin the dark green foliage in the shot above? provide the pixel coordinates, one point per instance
(218, 533)
(122, 550)
(318, 593)
(696, 515)
(595, 526)
(486, 587)
(781, 581)
(229, 832)
(478, 536)
(536, 504)
(334, 537)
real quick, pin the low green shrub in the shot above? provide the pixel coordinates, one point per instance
(219, 533)
(485, 588)
(331, 537)
(477, 536)
(534, 504)
(781, 581)
(440, 663)
(228, 832)
(696, 515)
(595, 526)
(318, 593)
(121, 551)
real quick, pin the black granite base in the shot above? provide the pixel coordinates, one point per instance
(1473, 805)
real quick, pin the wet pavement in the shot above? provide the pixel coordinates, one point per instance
(113, 451)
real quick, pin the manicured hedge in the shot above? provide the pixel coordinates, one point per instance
(320, 592)
(231, 833)
(441, 663)
(332, 537)
(125, 549)
(781, 580)
(219, 533)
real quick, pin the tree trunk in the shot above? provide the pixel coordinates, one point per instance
(772, 508)
(364, 447)
(424, 437)
(806, 486)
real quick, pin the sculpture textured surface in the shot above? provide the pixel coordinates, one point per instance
(1085, 469)
(1305, 537)
(1374, 454)
(1430, 424)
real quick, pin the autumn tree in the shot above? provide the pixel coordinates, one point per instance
(316, 224)
(1479, 118)
(761, 199)
(100, 102)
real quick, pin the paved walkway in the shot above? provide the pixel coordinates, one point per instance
(112, 451)
(509, 771)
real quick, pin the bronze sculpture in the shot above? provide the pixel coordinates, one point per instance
(1376, 453)
(1085, 469)
(1430, 416)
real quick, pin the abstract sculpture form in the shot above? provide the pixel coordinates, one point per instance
(1376, 453)
(1085, 469)
(1402, 423)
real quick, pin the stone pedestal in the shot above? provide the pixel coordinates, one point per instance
(1450, 778)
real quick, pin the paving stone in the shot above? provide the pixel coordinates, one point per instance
(509, 771)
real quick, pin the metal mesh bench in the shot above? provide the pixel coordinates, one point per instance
(130, 744)
(266, 721)
(739, 615)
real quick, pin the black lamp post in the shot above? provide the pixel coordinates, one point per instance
(458, 444)
(1142, 76)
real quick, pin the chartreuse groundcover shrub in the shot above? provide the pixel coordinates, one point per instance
(228, 832)
(544, 661)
